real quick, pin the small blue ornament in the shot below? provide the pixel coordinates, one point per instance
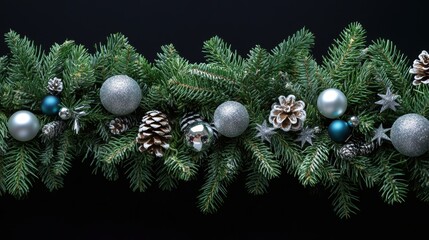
(50, 105)
(339, 131)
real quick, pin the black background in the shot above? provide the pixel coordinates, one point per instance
(90, 207)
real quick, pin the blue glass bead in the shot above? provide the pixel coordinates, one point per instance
(50, 105)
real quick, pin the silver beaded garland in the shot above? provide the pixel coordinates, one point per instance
(410, 134)
(120, 95)
(23, 125)
(231, 119)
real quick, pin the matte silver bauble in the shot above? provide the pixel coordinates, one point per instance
(410, 134)
(231, 119)
(23, 125)
(332, 103)
(120, 95)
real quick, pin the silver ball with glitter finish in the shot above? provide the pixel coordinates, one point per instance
(231, 119)
(23, 125)
(332, 103)
(199, 136)
(410, 134)
(120, 95)
(65, 113)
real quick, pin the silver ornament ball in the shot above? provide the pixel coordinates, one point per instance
(199, 136)
(353, 121)
(332, 103)
(23, 125)
(65, 113)
(410, 134)
(231, 119)
(120, 95)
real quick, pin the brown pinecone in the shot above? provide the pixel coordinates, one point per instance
(154, 133)
(421, 69)
(288, 114)
(120, 125)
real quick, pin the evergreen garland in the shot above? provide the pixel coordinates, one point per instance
(176, 86)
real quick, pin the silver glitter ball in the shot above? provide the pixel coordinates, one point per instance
(23, 125)
(332, 103)
(410, 134)
(231, 119)
(120, 95)
(199, 136)
(65, 113)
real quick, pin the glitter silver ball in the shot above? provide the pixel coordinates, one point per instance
(231, 119)
(410, 134)
(199, 136)
(23, 125)
(120, 95)
(65, 113)
(332, 103)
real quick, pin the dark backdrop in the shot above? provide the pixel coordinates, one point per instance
(90, 207)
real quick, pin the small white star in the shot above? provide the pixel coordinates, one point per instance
(265, 132)
(380, 133)
(306, 135)
(387, 101)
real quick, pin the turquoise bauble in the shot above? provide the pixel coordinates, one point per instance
(339, 131)
(50, 105)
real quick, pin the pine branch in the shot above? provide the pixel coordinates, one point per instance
(344, 55)
(287, 152)
(53, 63)
(310, 171)
(256, 182)
(3, 134)
(222, 169)
(180, 165)
(264, 159)
(218, 52)
(166, 181)
(284, 55)
(64, 154)
(139, 172)
(393, 186)
(344, 198)
(51, 180)
(20, 168)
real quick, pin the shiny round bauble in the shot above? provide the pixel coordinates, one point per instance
(410, 135)
(353, 121)
(199, 136)
(65, 113)
(332, 103)
(50, 105)
(120, 95)
(339, 131)
(231, 119)
(23, 125)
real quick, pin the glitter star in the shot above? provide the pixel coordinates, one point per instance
(388, 101)
(264, 132)
(380, 133)
(306, 135)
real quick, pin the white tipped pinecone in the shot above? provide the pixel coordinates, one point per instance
(288, 114)
(119, 125)
(421, 69)
(55, 86)
(154, 133)
(53, 129)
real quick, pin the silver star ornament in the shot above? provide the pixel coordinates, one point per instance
(306, 135)
(388, 101)
(264, 132)
(380, 134)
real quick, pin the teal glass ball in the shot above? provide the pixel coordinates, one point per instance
(50, 105)
(339, 131)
